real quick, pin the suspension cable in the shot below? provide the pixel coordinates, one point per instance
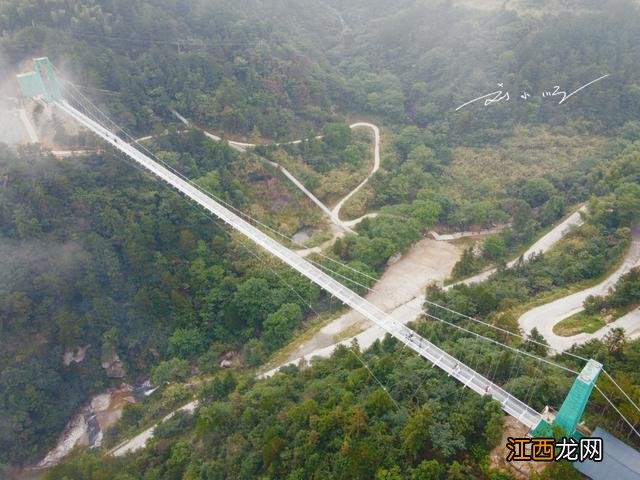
(503, 345)
(620, 388)
(371, 373)
(503, 330)
(464, 329)
(619, 412)
(324, 267)
(201, 188)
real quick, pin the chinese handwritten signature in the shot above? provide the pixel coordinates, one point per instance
(499, 95)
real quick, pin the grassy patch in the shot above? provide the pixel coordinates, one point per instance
(527, 153)
(332, 184)
(349, 332)
(581, 322)
(358, 204)
(318, 239)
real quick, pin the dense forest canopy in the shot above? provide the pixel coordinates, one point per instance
(335, 420)
(94, 253)
(266, 67)
(94, 257)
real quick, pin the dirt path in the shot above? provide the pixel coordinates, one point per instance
(333, 214)
(336, 232)
(399, 291)
(428, 261)
(546, 316)
(447, 237)
(140, 440)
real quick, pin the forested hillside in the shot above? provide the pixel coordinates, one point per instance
(271, 69)
(96, 255)
(420, 60)
(231, 66)
(98, 258)
(334, 420)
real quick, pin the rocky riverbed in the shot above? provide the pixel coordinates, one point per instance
(86, 427)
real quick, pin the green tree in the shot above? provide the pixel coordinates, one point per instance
(426, 212)
(279, 325)
(538, 343)
(466, 265)
(394, 473)
(175, 369)
(615, 340)
(457, 471)
(254, 352)
(537, 191)
(186, 343)
(493, 428)
(429, 470)
(253, 301)
(352, 155)
(416, 435)
(425, 158)
(552, 210)
(337, 136)
(626, 205)
(493, 247)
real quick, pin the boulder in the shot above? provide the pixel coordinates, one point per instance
(114, 366)
(74, 355)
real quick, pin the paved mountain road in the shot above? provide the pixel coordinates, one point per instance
(541, 246)
(546, 316)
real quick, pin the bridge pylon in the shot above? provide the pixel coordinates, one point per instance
(570, 413)
(42, 83)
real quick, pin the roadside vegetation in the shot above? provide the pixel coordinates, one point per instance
(330, 166)
(583, 255)
(601, 310)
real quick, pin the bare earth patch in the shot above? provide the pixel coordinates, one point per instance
(426, 262)
(497, 457)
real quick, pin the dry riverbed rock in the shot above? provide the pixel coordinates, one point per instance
(114, 366)
(74, 355)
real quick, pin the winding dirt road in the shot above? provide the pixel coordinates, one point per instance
(399, 292)
(545, 317)
(332, 214)
(376, 166)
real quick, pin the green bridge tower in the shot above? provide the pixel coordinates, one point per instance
(41, 83)
(574, 404)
